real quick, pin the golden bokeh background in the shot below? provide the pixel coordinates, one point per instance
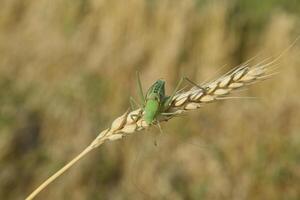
(67, 69)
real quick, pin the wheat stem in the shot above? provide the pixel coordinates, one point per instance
(58, 173)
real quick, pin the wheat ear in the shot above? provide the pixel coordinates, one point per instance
(182, 102)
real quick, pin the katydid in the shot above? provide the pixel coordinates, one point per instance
(155, 102)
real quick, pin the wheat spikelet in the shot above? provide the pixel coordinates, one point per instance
(182, 102)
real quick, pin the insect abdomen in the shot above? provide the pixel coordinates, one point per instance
(151, 109)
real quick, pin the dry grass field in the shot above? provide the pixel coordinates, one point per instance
(67, 69)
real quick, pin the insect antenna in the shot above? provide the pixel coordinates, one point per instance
(140, 90)
(193, 83)
(134, 104)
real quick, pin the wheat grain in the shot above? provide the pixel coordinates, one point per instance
(182, 102)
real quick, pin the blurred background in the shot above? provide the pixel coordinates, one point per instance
(67, 70)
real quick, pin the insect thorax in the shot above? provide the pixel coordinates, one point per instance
(156, 91)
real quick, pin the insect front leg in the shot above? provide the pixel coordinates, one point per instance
(136, 117)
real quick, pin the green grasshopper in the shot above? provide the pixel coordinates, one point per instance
(155, 102)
